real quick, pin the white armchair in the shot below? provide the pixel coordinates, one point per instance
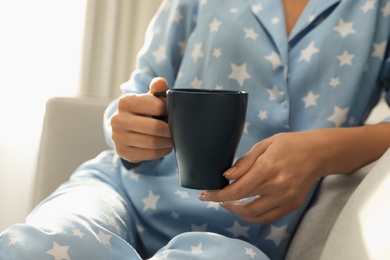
(72, 133)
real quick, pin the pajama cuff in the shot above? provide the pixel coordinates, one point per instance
(128, 165)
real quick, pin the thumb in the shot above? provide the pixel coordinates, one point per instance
(158, 84)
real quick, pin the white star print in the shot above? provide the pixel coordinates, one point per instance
(310, 99)
(274, 93)
(278, 234)
(275, 20)
(203, 2)
(247, 124)
(160, 54)
(334, 82)
(214, 205)
(218, 87)
(250, 252)
(78, 233)
(263, 115)
(197, 53)
(307, 53)
(201, 228)
(197, 249)
(386, 9)
(311, 18)
(214, 25)
(250, 34)
(238, 230)
(196, 83)
(257, 8)
(177, 16)
(182, 46)
(175, 215)
(140, 229)
(151, 201)
(14, 240)
(379, 50)
(339, 116)
(345, 58)
(59, 252)
(275, 60)
(352, 121)
(182, 194)
(217, 52)
(134, 176)
(369, 5)
(344, 28)
(233, 10)
(239, 73)
(104, 238)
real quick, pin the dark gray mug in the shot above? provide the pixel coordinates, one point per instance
(206, 127)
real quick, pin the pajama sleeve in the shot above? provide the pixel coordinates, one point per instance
(161, 55)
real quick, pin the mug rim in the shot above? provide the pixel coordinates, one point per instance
(206, 91)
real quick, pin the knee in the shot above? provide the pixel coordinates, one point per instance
(26, 242)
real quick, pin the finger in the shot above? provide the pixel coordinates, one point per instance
(158, 84)
(143, 104)
(269, 216)
(244, 187)
(146, 141)
(253, 208)
(261, 210)
(139, 124)
(243, 164)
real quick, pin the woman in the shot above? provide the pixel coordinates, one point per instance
(313, 70)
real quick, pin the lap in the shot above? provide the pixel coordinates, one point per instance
(100, 209)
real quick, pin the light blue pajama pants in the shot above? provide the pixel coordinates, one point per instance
(108, 212)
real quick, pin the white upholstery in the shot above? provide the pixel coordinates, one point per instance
(361, 231)
(72, 133)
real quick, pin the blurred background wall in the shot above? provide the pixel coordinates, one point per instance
(56, 48)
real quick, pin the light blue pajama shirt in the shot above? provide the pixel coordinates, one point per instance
(329, 72)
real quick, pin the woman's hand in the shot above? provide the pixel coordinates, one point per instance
(136, 134)
(280, 171)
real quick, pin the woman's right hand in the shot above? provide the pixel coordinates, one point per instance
(137, 135)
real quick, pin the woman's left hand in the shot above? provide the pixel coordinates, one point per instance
(280, 171)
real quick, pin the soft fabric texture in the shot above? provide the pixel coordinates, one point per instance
(319, 77)
(329, 200)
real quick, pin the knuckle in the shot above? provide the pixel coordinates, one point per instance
(233, 193)
(158, 107)
(282, 182)
(115, 121)
(249, 210)
(123, 102)
(120, 150)
(152, 142)
(156, 126)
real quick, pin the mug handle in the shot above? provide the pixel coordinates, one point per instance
(159, 95)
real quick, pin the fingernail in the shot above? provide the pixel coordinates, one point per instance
(230, 171)
(204, 196)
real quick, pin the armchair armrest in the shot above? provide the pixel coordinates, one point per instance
(72, 133)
